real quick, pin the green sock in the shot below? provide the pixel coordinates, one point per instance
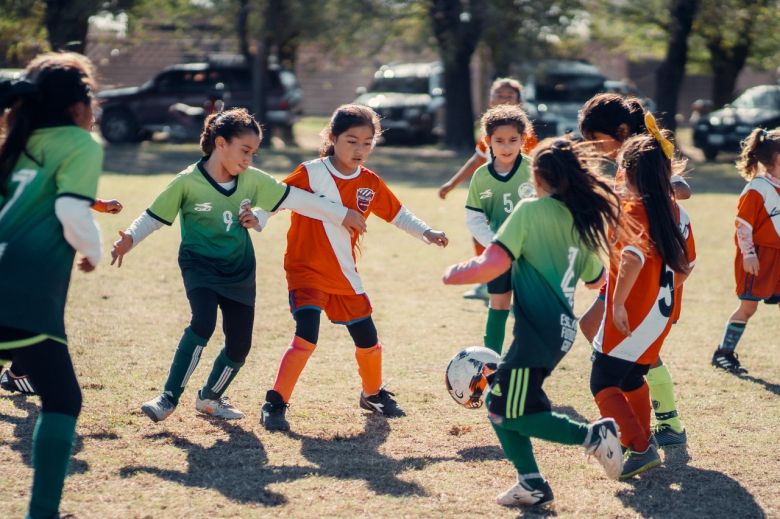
(495, 329)
(662, 395)
(51, 448)
(519, 451)
(549, 426)
(184, 363)
(222, 374)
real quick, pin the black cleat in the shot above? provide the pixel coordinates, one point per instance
(13, 383)
(382, 403)
(273, 411)
(728, 361)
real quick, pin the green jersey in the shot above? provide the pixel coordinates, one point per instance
(548, 258)
(216, 251)
(35, 259)
(496, 195)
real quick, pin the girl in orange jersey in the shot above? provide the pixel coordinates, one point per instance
(757, 263)
(320, 260)
(640, 297)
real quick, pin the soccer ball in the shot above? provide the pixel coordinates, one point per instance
(466, 375)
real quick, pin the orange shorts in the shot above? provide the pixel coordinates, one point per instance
(340, 309)
(764, 286)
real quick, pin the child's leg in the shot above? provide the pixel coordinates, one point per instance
(638, 395)
(307, 327)
(203, 303)
(736, 324)
(368, 354)
(662, 395)
(495, 327)
(237, 322)
(520, 453)
(591, 319)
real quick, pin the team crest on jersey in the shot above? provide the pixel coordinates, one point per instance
(203, 207)
(364, 197)
(526, 190)
(488, 193)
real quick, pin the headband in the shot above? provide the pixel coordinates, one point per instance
(652, 127)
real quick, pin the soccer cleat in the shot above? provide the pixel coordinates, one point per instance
(273, 411)
(523, 495)
(603, 443)
(218, 408)
(12, 383)
(639, 462)
(665, 436)
(382, 403)
(727, 361)
(478, 292)
(160, 408)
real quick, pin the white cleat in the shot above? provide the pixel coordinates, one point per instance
(603, 443)
(221, 408)
(523, 495)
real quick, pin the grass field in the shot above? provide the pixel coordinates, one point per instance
(439, 461)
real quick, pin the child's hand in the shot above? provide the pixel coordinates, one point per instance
(121, 247)
(248, 219)
(620, 319)
(436, 237)
(85, 265)
(445, 189)
(113, 206)
(750, 264)
(354, 222)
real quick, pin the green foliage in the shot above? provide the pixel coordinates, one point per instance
(22, 34)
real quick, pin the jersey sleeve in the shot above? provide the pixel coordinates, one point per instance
(385, 204)
(78, 174)
(531, 140)
(591, 268)
(168, 203)
(750, 205)
(512, 234)
(299, 178)
(472, 199)
(269, 192)
(482, 149)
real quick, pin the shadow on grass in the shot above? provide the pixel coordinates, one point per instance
(679, 490)
(769, 386)
(358, 457)
(23, 431)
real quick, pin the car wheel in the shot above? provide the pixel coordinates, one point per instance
(710, 154)
(119, 126)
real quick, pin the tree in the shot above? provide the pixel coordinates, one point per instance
(457, 26)
(22, 34)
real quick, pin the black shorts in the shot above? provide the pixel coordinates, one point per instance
(502, 284)
(516, 392)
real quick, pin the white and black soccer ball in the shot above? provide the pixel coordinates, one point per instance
(467, 373)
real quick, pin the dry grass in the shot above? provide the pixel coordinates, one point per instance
(439, 461)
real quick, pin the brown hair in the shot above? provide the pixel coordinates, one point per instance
(505, 115)
(510, 83)
(344, 118)
(228, 124)
(605, 113)
(650, 170)
(760, 147)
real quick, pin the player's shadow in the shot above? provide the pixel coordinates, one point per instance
(236, 467)
(769, 386)
(358, 457)
(679, 490)
(23, 431)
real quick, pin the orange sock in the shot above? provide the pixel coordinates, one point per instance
(369, 362)
(639, 400)
(612, 403)
(293, 362)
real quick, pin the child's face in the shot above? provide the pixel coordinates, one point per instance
(506, 143)
(504, 96)
(352, 148)
(236, 155)
(605, 144)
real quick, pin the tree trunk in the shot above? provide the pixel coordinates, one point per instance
(67, 22)
(457, 31)
(669, 76)
(726, 66)
(242, 29)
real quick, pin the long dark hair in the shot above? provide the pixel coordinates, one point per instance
(344, 118)
(52, 84)
(649, 170)
(228, 124)
(568, 170)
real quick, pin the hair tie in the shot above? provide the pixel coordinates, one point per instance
(652, 127)
(762, 136)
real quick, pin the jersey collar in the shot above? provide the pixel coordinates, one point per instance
(335, 172)
(507, 177)
(214, 184)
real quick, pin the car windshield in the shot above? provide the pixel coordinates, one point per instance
(758, 98)
(402, 84)
(567, 88)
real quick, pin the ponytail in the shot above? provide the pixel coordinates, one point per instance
(759, 147)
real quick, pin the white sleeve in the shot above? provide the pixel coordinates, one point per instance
(677, 179)
(262, 219)
(142, 227)
(479, 227)
(79, 227)
(313, 206)
(409, 223)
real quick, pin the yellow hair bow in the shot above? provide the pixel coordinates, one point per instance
(652, 127)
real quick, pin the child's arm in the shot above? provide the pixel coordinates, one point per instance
(479, 226)
(107, 206)
(747, 248)
(142, 227)
(411, 224)
(463, 173)
(631, 261)
(317, 207)
(79, 229)
(493, 262)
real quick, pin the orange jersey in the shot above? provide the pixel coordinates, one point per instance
(759, 209)
(650, 304)
(483, 150)
(320, 254)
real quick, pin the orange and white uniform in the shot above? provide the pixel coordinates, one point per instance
(687, 231)
(758, 233)
(531, 140)
(650, 304)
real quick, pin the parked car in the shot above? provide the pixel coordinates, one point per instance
(724, 129)
(409, 97)
(131, 114)
(555, 90)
